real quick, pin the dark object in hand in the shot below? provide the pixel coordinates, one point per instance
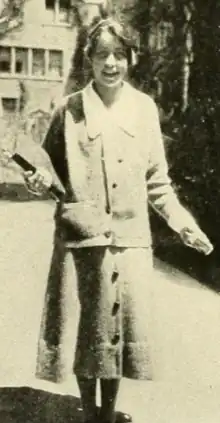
(27, 166)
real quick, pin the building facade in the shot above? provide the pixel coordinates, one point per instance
(35, 58)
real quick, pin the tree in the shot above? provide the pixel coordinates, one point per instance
(199, 142)
(11, 15)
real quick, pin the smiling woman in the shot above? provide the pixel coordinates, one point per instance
(106, 147)
(111, 52)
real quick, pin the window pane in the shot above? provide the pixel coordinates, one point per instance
(9, 104)
(56, 63)
(38, 63)
(63, 10)
(49, 11)
(5, 59)
(50, 4)
(21, 61)
(64, 4)
(63, 16)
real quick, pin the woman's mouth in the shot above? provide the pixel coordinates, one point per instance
(110, 75)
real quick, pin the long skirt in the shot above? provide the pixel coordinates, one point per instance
(97, 305)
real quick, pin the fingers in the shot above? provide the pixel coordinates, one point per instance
(195, 238)
(38, 181)
(204, 246)
(27, 174)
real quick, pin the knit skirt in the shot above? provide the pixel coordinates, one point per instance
(113, 290)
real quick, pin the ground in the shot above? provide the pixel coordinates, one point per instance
(184, 331)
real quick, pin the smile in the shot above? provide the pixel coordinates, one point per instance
(110, 75)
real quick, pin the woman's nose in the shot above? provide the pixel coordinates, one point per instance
(110, 61)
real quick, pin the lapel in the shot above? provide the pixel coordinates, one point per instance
(123, 113)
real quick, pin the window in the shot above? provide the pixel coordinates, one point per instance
(9, 105)
(64, 11)
(38, 62)
(50, 4)
(55, 63)
(58, 10)
(5, 59)
(21, 61)
(28, 62)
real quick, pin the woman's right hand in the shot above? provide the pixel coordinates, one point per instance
(38, 182)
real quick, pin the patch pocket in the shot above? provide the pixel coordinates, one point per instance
(83, 220)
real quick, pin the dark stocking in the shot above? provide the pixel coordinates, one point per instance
(87, 388)
(109, 391)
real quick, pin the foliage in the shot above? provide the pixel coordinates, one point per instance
(191, 124)
(11, 15)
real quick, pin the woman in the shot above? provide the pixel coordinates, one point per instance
(106, 148)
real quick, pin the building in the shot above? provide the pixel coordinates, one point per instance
(37, 41)
(35, 56)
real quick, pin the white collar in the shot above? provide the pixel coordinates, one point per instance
(123, 111)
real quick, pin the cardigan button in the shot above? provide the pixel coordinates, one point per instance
(115, 275)
(108, 234)
(116, 307)
(108, 210)
(116, 338)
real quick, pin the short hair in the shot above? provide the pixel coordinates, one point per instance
(120, 31)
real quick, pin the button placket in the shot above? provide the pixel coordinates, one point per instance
(116, 307)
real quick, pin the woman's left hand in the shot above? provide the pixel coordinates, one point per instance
(195, 238)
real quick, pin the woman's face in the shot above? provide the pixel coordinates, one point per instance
(109, 61)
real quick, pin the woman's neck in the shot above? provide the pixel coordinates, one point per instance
(107, 95)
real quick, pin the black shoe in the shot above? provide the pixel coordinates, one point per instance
(119, 418)
(94, 420)
(123, 417)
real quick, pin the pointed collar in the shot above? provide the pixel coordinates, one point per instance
(123, 112)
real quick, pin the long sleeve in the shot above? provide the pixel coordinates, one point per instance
(54, 146)
(161, 194)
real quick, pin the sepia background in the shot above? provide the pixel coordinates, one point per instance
(40, 61)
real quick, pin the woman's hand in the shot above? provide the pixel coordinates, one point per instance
(195, 238)
(38, 182)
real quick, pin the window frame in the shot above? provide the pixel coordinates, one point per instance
(56, 14)
(10, 59)
(25, 51)
(6, 110)
(29, 74)
(61, 58)
(44, 70)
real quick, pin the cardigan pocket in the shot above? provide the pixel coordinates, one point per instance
(81, 221)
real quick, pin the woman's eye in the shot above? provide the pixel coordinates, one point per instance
(120, 54)
(101, 54)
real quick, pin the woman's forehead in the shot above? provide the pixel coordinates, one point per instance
(108, 40)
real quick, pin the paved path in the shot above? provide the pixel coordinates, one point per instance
(185, 334)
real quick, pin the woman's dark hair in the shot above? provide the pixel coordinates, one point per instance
(118, 30)
(104, 10)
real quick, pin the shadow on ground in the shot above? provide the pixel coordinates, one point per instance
(169, 248)
(25, 405)
(17, 192)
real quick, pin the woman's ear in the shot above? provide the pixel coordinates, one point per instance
(134, 58)
(87, 53)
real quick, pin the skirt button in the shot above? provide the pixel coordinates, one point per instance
(115, 275)
(116, 338)
(116, 307)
